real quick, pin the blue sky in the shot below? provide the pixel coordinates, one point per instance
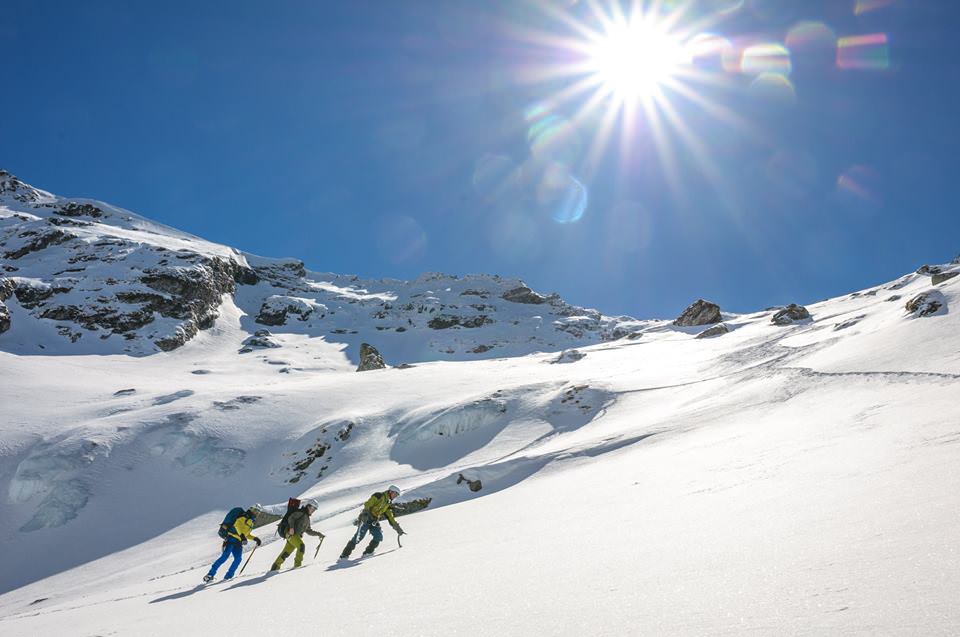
(387, 139)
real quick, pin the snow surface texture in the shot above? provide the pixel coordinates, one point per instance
(797, 479)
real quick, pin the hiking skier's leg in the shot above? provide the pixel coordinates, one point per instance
(288, 548)
(220, 560)
(301, 547)
(352, 544)
(237, 549)
(376, 536)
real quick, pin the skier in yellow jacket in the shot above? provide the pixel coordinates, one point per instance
(235, 536)
(377, 506)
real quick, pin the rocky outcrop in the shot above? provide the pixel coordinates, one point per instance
(790, 315)
(569, 356)
(446, 321)
(926, 303)
(929, 269)
(370, 358)
(473, 485)
(260, 340)
(700, 312)
(4, 318)
(20, 191)
(37, 240)
(410, 506)
(943, 276)
(276, 309)
(74, 209)
(523, 294)
(716, 330)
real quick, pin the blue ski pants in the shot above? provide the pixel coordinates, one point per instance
(231, 548)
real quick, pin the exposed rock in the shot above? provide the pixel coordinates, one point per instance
(633, 336)
(473, 485)
(480, 349)
(445, 321)
(790, 315)
(411, 506)
(275, 310)
(39, 241)
(260, 339)
(4, 318)
(30, 295)
(956, 261)
(20, 191)
(569, 356)
(926, 303)
(716, 330)
(943, 276)
(929, 269)
(523, 294)
(7, 288)
(74, 209)
(370, 358)
(700, 312)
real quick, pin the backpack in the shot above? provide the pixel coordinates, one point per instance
(292, 505)
(228, 521)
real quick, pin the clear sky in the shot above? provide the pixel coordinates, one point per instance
(633, 159)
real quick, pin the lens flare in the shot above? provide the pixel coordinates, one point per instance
(864, 52)
(768, 57)
(774, 87)
(562, 195)
(810, 36)
(866, 6)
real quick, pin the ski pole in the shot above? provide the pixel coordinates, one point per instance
(318, 546)
(398, 540)
(248, 558)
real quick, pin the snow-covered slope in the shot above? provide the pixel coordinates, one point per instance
(773, 479)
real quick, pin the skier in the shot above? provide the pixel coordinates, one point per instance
(236, 534)
(373, 509)
(298, 523)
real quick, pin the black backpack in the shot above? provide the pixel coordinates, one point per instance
(292, 505)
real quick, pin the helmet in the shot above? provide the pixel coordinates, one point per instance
(394, 488)
(255, 510)
(310, 502)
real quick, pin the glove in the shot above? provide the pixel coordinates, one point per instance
(243, 541)
(257, 540)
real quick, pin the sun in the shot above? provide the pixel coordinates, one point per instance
(634, 60)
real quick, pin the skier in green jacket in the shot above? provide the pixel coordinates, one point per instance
(298, 523)
(377, 506)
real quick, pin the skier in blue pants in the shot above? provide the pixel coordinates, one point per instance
(237, 536)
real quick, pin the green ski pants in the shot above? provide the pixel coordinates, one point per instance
(294, 543)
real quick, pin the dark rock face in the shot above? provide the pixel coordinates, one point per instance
(524, 294)
(4, 318)
(410, 506)
(943, 276)
(276, 309)
(445, 321)
(716, 330)
(929, 269)
(7, 288)
(39, 241)
(790, 315)
(370, 358)
(924, 304)
(473, 485)
(74, 209)
(956, 261)
(700, 312)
